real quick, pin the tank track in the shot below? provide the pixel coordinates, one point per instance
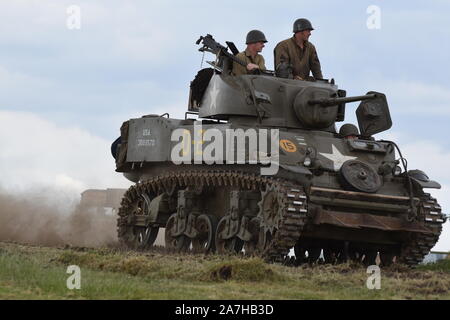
(292, 211)
(293, 215)
(413, 252)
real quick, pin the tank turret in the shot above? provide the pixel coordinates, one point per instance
(270, 100)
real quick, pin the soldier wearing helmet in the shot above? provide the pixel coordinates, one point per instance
(349, 131)
(255, 43)
(299, 52)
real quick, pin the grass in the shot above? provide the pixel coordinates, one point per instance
(31, 272)
(440, 266)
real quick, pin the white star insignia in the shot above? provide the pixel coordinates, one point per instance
(337, 157)
(213, 92)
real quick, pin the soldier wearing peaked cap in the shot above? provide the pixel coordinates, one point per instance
(255, 42)
(299, 52)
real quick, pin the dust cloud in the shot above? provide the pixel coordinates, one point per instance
(42, 218)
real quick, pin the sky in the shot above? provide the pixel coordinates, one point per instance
(67, 84)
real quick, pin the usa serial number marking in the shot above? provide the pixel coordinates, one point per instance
(146, 142)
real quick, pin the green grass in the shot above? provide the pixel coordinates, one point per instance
(441, 266)
(30, 272)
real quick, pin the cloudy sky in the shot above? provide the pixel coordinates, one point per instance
(64, 91)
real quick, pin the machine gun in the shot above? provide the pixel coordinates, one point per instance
(211, 45)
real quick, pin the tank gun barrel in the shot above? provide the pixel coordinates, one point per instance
(328, 102)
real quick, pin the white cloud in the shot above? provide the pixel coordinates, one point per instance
(13, 80)
(414, 97)
(109, 32)
(36, 152)
(428, 156)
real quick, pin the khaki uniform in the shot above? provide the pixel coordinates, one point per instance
(247, 58)
(303, 60)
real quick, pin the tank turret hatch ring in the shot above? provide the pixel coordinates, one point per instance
(359, 176)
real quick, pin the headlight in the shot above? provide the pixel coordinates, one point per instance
(307, 162)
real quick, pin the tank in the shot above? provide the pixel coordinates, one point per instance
(258, 167)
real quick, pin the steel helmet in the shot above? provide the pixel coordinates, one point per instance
(348, 129)
(255, 36)
(302, 24)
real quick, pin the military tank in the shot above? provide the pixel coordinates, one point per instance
(261, 169)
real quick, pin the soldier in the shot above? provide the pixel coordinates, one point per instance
(299, 52)
(349, 131)
(255, 43)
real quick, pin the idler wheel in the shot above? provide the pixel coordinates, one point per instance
(359, 176)
(140, 237)
(179, 242)
(206, 227)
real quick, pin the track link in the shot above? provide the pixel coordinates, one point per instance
(293, 211)
(293, 216)
(420, 245)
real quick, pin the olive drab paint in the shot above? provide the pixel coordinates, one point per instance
(264, 169)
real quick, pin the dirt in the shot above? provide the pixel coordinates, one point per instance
(31, 218)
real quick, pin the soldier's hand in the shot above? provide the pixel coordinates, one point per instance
(298, 78)
(252, 66)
